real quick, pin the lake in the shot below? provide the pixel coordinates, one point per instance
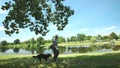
(63, 50)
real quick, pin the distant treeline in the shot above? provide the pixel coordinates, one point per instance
(78, 37)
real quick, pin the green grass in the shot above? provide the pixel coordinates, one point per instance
(77, 43)
(85, 43)
(84, 60)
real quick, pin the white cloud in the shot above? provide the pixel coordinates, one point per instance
(84, 29)
(2, 28)
(110, 28)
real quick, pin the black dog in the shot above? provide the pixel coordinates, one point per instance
(42, 56)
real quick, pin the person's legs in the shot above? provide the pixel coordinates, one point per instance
(56, 53)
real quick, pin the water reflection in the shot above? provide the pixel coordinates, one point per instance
(93, 48)
(16, 50)
(76, 49)
(63, 50)
(116, 47)
(3, 49)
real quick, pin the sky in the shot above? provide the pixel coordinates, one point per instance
(91, 17)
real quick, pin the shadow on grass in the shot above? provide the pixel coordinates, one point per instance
(111, 60)
(100, 61)
(29, 62)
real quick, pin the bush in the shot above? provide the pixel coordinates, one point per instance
(17, 41)
(3, 43)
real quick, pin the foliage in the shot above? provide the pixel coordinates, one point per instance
(16, 50)
(47, 41)
(106, 38)
(87, 39)
(119, 36)
(81, 37)
(40, 41)
(16, 41)
(73, 38)
(61, 39)
(3, 43)
(113, 35)
(32, 41)
(68, 39)
(35, 15)
(93, 40)
(99, 37)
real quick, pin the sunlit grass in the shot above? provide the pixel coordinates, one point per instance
(85, 43)
(74, 43)
(9, 56)
(88, 54)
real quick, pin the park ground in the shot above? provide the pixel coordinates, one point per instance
(82, 60)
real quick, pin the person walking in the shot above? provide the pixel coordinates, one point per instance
(54, 47)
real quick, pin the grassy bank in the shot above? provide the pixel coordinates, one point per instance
(85, 60)
(77, 43)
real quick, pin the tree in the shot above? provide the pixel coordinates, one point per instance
(106, 38)
(32, 41)
(16, 41)
(73, 38)
(113, 36)
(3, 43)
(119, 36)
(68, 39)
(93, 39)
(88, 37)
(99, 37)
(61, 39)
(35, 15)
(81, 37)
(40, 41)
(47, 41)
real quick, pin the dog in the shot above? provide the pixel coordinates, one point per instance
(42, 56)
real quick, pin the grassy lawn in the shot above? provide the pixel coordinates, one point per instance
(84, 60)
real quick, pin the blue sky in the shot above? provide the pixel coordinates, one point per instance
(91, 17)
